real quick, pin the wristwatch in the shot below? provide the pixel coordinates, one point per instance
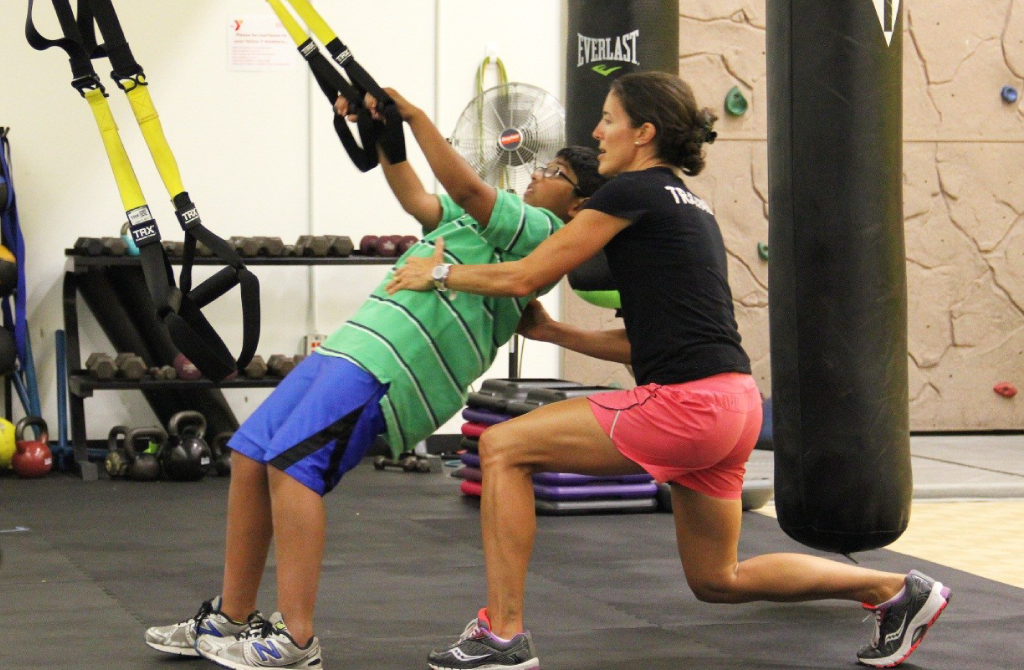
(440, 276)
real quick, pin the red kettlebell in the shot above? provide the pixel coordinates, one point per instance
(32, 458)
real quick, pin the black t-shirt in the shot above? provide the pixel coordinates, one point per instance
(670, 267)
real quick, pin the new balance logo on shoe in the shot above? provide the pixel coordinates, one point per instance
(268, 650)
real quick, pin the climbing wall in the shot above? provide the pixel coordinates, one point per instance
(963, 200)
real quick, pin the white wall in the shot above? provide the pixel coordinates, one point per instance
(257, 153)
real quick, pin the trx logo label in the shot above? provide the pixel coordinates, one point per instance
(510, 140)
(343, 57)
(142, 234)
(887, 11)
(140, 215)
(622, 48)
(189, 217)
(307, 48)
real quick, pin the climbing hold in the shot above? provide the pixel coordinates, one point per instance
(762, 250)
(1009, 94)
(1005, 389)
(735, 102)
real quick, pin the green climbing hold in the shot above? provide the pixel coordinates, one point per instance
(735, 102)
(762, 250)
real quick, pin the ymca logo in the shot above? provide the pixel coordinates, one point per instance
(622, 48)
(887, 11)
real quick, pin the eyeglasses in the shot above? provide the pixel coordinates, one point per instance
(552, 171)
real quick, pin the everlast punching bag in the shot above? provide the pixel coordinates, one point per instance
(607, 39)
(837, 281)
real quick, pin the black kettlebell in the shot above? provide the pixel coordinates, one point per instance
(143, 465)
(221, 454)
(185, 456)
(116, 461)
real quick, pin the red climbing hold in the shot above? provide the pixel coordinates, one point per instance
(1005, 389)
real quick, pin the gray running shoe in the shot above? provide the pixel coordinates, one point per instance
(479, 649)
(265, 643)
(901, 626)
(180, 638)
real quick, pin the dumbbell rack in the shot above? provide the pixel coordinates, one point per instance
(81, 385)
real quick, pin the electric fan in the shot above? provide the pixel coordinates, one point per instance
(508, 131)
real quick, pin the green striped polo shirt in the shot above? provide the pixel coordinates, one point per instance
(430, 346)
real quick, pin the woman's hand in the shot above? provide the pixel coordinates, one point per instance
(417, 272)
(535, 322)
(405, 108)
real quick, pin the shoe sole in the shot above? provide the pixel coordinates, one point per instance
(933, 607)
(176, 651)
(532, 664)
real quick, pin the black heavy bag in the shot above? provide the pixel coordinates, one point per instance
(607, 39)
(837, 285)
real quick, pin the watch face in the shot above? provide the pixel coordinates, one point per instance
(440, 272)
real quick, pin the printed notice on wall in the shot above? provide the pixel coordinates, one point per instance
(259, 43)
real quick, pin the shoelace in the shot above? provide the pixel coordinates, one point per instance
(879, 614)
(472, 630)
(257, 626)
(204, 610)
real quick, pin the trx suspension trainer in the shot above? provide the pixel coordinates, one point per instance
(178, 307)
(389, 134)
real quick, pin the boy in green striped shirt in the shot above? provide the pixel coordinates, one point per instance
(399, 367)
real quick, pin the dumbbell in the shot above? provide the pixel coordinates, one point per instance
(289, 250)
(256, 369)
(387, 246)
(271, 246)
(280, 364)
(172, 248)
(341, 247)
(100, 246)
(245, 246)
(130, 366)
(368, 245)
(101, 366)
(407, 461)
(163, 372)
(313, 245)
(406, 242)
(185, 368)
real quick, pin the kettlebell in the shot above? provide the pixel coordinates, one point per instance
(143, 466)
(7, 444)
(32, 458)
(185, 456)
(221, 454)
(116, 461)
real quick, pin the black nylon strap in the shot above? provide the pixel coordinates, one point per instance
(333, 84)
(391, 133)
(180, 310)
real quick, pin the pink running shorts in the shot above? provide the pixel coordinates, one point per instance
(698, 434)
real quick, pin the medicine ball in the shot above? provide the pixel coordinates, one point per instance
(8, 272)
(593, 282)
(7, 443)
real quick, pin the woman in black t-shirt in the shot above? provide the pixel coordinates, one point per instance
(695, 414)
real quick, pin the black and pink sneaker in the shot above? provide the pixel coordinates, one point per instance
(479, 649)
(900, 626)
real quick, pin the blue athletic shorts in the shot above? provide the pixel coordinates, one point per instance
(317, 424)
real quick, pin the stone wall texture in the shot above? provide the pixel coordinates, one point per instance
(963, 200)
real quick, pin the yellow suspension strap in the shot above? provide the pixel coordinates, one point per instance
(390, 134)
(180, 309)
